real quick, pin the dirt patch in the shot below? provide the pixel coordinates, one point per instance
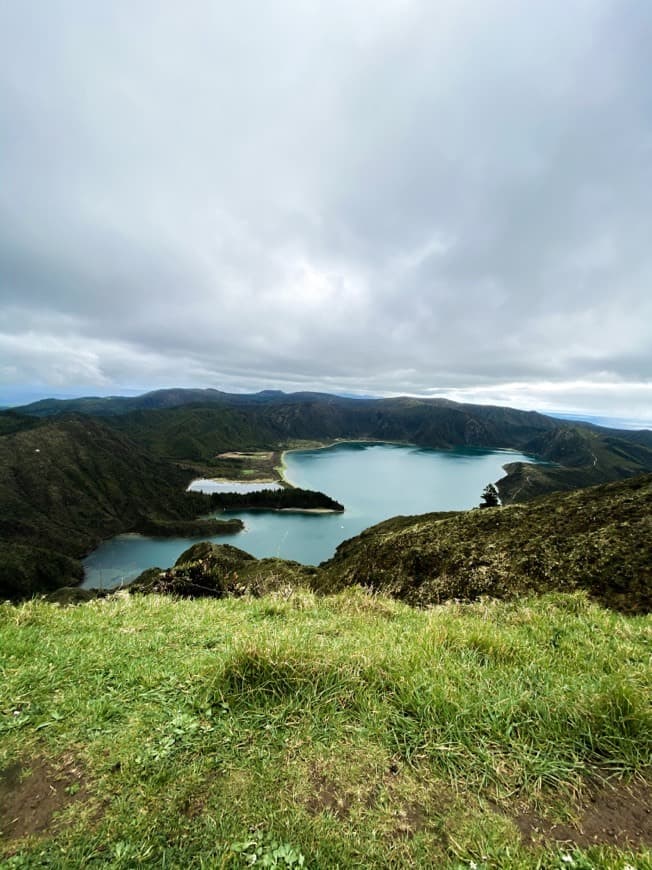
(327, 797)
(404, 817)
(410, 819)
(616, 814)
(33, 792)
(414, 816)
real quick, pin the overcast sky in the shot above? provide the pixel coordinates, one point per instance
(435, 197)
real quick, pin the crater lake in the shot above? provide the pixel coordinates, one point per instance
(373, 481)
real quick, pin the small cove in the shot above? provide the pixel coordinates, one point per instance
(374, 481)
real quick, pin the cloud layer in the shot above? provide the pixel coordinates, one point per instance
(395, 196)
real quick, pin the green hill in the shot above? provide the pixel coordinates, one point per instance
(67, 484)
(598, 539)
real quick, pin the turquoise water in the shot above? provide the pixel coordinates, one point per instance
(372, 481)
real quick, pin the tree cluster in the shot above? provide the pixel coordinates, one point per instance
(274, 499)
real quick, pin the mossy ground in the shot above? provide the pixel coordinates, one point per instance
(598, 539)
(346, 731)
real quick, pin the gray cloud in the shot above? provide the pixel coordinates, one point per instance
(396, 196)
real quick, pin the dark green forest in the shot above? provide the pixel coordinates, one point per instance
(275, 499)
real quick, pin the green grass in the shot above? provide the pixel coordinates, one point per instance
(347, 731)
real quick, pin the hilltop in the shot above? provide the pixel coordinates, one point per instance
(326, 732)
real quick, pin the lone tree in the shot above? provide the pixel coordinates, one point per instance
(490, 497)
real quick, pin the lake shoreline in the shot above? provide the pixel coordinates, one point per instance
(281, 478)
(392, 479)
(290, 510)
(326, 445)
(225, 481)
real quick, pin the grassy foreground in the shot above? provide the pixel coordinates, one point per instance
(345, 731)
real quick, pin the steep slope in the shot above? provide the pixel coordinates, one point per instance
(65, 485)
(275, 415)
(583, 456)
(598, 539)
(11, 421)
(203, 430)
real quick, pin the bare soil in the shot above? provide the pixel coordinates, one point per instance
(34, 792)
(615, 814)
(410, 817)
(328, 797)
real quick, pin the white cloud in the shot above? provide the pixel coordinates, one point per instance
(378, 197)
(623, 400)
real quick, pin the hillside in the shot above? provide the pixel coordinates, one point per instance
(598, 539)
(67, 484)
(339, 732)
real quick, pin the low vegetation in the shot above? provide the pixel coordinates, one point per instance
(598, 539)
(345, 731)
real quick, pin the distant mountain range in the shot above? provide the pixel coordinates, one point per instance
(195, 425)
